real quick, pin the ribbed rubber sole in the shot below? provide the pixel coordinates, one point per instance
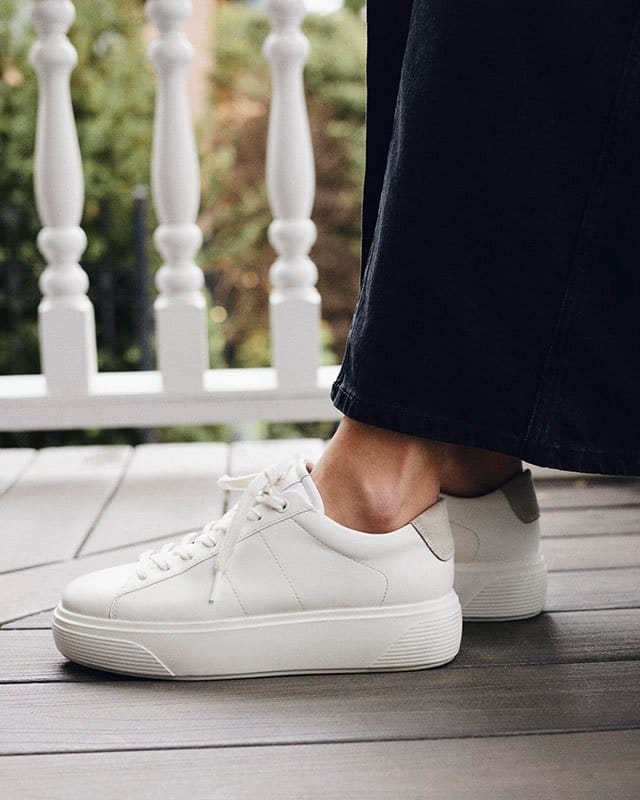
(501, 592)
(408, 637)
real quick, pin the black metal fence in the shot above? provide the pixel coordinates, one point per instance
(119, 290)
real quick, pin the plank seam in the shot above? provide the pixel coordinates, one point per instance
(107, 501)
(20, 473)
(316, 742)
(119, 680)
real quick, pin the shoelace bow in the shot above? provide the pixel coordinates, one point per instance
(258, 489)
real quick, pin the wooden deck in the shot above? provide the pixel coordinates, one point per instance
(548, 708)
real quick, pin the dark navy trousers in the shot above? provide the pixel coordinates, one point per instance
(500, 289)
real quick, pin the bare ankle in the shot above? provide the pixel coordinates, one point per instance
(377, 480)
(471, 471)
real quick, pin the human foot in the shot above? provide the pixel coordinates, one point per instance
(274, 587)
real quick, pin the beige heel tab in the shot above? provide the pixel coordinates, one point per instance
(521, 496)
(433, 526)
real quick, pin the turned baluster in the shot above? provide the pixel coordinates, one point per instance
(66, 318)
(180, 309)
(294, 301)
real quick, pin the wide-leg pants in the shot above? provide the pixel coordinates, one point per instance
(500, 289)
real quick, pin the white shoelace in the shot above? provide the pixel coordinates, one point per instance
(259, 489)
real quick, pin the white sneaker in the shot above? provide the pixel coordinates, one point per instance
(500, 571)
(274, 587)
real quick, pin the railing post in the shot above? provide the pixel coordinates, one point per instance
(294, 302)
(180, 308)
(67, 325)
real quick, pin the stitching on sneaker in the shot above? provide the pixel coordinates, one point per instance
(126, 589)
(282, 570)
(351, 558)
(236, 595)
(281, 518)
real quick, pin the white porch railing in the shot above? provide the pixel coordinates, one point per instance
(71, 393)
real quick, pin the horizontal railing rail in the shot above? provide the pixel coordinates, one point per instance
(71, 392)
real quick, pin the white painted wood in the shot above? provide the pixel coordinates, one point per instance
(180, 309)
(66, 318)
(248, 457)
(167, 489)
(36, 589)
(47, 513)
(13, 462)
(294, 301)
(135, 399)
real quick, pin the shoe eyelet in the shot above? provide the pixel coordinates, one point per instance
(285, 506)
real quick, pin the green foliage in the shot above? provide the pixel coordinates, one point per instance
(113, 102)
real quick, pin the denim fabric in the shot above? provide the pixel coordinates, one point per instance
(500, 293)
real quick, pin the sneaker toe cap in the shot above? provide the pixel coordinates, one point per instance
(93, 594)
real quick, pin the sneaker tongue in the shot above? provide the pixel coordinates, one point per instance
(299, 480)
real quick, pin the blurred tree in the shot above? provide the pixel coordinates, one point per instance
(236, 214)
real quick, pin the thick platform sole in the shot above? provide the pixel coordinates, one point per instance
(501, 592)
(408, 637)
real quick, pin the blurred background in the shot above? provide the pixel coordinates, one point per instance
(112, 90)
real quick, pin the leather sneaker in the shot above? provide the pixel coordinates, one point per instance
(501, 573)
(274, 587)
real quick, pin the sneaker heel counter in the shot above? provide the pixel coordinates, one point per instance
(520, 493)
(435, 531)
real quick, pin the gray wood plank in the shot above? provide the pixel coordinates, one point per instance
(46, 514)
(592, 552)
(551, 638)
(247, 457)
(588, 766)
(30, 591)
(588, 493)
(13, 462)
(30, 655)
(593, 589)
(66, 717)
(39, 621)
(590, 521)
(167, 489)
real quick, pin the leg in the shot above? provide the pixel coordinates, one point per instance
(470, 471)
(353, 475)
(377, 480)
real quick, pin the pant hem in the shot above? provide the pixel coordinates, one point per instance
(414, 423)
